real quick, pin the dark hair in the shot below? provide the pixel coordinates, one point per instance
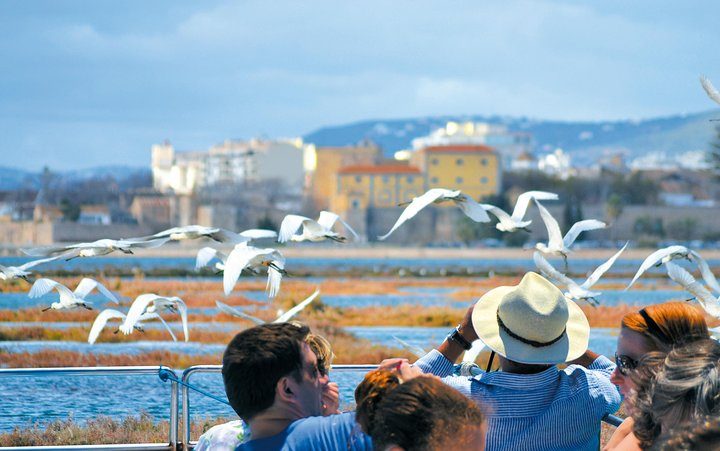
(256, 359)
(676, 389)
(420, 414)
(670, 324)
(699, 436)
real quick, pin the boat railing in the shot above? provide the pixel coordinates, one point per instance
(172, 442)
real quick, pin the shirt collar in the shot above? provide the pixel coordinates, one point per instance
(520, 381)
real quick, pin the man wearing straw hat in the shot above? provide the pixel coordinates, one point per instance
(531, 404)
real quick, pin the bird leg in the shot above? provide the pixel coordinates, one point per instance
(565, 258)
(691, 299)
(25, 278)
(46, 309)
(126, 251)
(339, 239)
(74, 256)
(278, 269)
(525, 229)
(87, 307)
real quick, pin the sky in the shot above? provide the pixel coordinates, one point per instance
(91, 83)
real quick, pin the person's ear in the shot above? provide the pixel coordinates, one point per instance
(285, 389)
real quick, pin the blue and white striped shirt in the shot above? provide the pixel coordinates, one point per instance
(551, 410)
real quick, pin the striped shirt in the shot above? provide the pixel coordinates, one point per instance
(551, 410)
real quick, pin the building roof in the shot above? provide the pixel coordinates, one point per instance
(459, 148)
(379, 169)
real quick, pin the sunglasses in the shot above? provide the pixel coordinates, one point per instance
(625, 364)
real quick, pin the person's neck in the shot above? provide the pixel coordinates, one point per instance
(271, 422)
(509, 366)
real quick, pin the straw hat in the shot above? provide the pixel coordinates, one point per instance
(531, 322)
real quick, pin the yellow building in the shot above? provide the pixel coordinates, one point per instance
(378, 186)
(323, 164)
(474, 169)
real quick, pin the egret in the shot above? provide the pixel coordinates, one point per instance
(282, 318)
(710, 89)
(508, 223)
(674, 252)
(682, 277)
(99, 247)
(152, 303)
(20, 272)
(472, 209)
(312, 230)
(244, 256)
(70, 299)
(192, 232)
(108, 314)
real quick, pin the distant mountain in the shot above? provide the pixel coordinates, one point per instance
(585, 141)
(12, 178)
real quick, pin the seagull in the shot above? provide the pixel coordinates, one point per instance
(507, 223)
(710, 89)
(20, 272)
(681, 276)
(107, 314)
(192, 232)
(574, 291)
(99, 247)
(472, 209)
(153, 304)
(312, 230)
(282, 317)
(557, 244)
(674, 252)
(69, 299)
(244, 256)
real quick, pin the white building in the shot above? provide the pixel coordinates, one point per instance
(557, 164)
(509, 144)
(693, 159)
(229, 162)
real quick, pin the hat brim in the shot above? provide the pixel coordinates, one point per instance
(571, 346)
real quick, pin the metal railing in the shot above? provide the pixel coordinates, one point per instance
(104, 371)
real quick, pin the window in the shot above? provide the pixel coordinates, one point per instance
(385, 179)
(483, 162)
(410, 179)
(459, 162)
(458, 179)
(483, 180)
(434, 180)
(434, 162)
(358, 178)
(355, 204)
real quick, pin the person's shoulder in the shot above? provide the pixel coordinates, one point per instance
(340, 420)
(332, 432)
(225, 436)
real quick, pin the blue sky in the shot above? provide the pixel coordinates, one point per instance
(87, 83)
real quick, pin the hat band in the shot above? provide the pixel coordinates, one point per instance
(536, 344)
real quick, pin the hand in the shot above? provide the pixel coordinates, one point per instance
(391, 364)
(330, 399)
(402, 367)
(466, 328)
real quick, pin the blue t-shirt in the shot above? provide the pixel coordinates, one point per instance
(334, 432)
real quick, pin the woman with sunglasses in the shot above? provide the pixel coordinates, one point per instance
(659, 327)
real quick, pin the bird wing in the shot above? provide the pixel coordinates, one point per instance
(415, 206)
(602, 269)
(33, 263)
(549, 270)
(256, 234)
(237, 313)
(682, 277)
(710, 89)
(41, 287)
(653, 258)
(524, 199)
(349, 229)
(327, 219)
(706, 272)
(44, 251)
(137, 309)
(472, 354)
(416, 350)
(295, 310)
(87, 285)
(146, 244)
(167, 326)
(275, 276)
(182, 308)
(226, 236)
(580, 227)
(204, 256)
(555, 238)
(498, 212)
(236, 262)
(290, 224)
(101, 320)
(472, 209)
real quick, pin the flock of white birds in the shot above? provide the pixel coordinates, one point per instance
(244, 257)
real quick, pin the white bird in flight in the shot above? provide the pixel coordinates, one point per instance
(253, 258)
(206, 254)
(192, 232)
(69, 299)
(96, 248)
(558, 244)
(674, 252)
(710, 89)
(21, 272)
(576, 291)
(152, 303)
(681, 276)
(508, 223)
(472, 209)
(282, 318)
(312, 230)
(108, 314)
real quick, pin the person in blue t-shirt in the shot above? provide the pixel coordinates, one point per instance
(272, 381)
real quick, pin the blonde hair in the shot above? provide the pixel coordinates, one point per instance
(322, 350)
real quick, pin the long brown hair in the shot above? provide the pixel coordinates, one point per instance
(667, 325)
(420, 414)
